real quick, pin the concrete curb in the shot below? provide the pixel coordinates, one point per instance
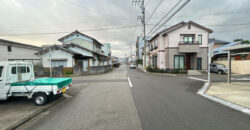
(221, 101)
(26, 119)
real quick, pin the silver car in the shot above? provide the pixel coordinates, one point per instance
(218, 68)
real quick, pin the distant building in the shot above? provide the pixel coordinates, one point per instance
(15, 51)
(139, 46)
(217, 42)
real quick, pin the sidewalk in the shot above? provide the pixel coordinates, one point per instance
(16, 111)
(237, 92)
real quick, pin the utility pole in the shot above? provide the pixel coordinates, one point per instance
(144, 32)
(144, 26)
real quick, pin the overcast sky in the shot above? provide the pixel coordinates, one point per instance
(45, 21)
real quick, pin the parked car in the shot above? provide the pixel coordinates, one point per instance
(218, 68)
(132, 66)
(116, 65)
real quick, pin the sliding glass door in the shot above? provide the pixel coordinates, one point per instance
(179, 62)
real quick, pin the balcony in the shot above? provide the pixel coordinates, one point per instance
(189, 47)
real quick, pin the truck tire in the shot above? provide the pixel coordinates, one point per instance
(40, 99)
(219, 72)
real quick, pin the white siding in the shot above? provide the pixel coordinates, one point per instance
(57, 55)
(22, 53)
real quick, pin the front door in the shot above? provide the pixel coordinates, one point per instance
(85, 65)
(188, 63)
(199, 63)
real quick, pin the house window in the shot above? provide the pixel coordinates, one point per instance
(188, 39)
(1, 71)
(154, 62)
(57, 63)
(156, 44)
(200, 39)
(9, 48)
(179, 62)
(93, 63)
(189, 26)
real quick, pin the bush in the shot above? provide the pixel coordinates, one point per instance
(171, 71)
(139, 61)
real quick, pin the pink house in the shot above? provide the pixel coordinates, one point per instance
(182, 46)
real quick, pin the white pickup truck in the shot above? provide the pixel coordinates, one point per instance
(17, 79)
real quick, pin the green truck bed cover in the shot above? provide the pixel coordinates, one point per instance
(60, 82)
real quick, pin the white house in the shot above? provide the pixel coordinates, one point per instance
(182, 46)
(88, 43)
(14, 51)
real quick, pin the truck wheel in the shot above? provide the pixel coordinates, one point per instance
(219, 72)
(40, 99)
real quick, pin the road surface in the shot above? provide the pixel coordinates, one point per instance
(148, 101)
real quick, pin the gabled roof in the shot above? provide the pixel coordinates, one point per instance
(216, 41)
(179, 25)
(75, 45)
(77, 32)
(57, 47)
(2, 41)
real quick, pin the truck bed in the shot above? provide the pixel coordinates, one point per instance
(60, 82)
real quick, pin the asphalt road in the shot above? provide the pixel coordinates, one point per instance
(98, 102)
(150, 102)
(171, 103)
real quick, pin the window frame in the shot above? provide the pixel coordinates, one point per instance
(9, 48)
(178, 68)
(199, 42)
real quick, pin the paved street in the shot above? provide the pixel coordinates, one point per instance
(171, 102)
(153, 102)
(99, 102)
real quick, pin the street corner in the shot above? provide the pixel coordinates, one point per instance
(236, 92)
(234, 95)
(14, 112)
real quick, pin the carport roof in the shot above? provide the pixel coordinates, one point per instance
(239, 49)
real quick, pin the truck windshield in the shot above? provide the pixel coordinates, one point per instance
(221, 66)
(1, 70)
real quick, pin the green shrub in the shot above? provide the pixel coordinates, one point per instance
(171, 71)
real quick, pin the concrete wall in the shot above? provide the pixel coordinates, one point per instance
(55, 55)
(238, 66)
(93, 70)
(18, 53)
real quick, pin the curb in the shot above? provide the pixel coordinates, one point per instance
(26, 119)
(221, 101)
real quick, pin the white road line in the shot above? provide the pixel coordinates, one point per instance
(130, 84)
(198, 79)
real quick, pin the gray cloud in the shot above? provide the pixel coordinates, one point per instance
(45, 16)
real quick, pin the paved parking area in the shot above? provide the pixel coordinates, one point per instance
(237, 92)
(15, 110)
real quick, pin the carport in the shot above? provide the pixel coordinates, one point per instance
(235, 50)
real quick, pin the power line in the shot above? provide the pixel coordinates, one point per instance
(165, 16)
(92, 30)
(91, 10)
(172, 15)
(154, 10)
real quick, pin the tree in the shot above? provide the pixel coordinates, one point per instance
(242, 41)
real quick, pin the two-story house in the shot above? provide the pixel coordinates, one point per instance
(89, 43)
(15, 51)
(182, 46)
(77, 50)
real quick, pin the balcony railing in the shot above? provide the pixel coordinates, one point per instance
(188, 43)
(189, 47)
